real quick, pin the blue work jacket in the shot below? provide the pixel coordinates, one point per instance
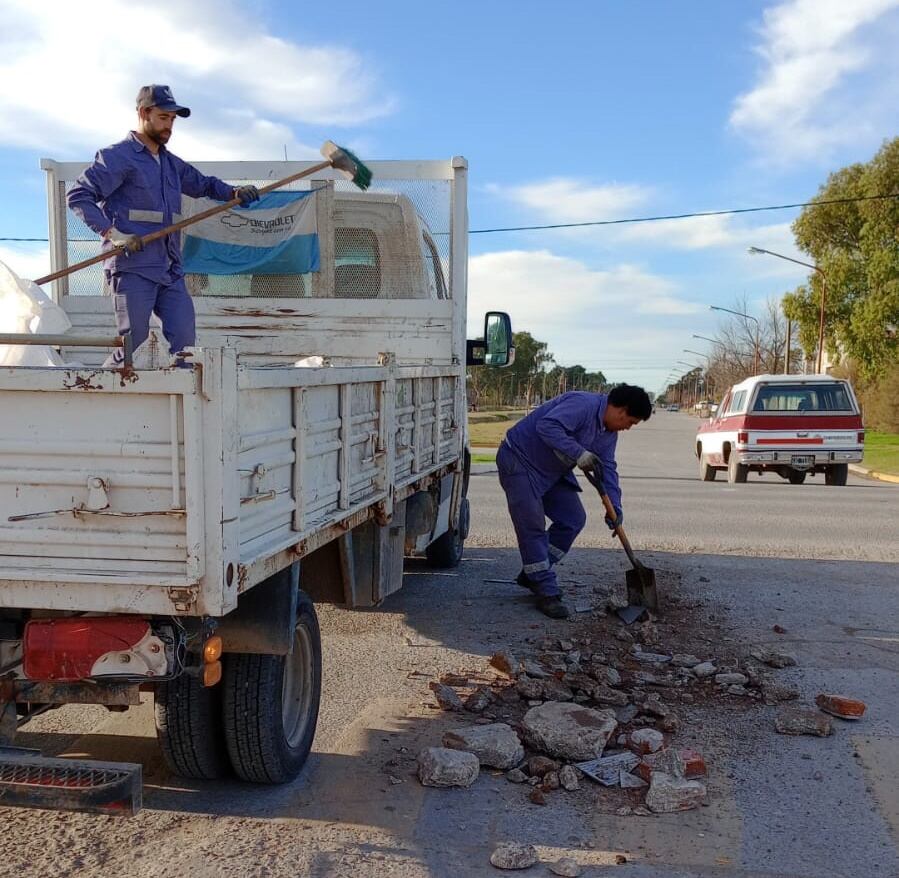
(570, 424)
(128, 188)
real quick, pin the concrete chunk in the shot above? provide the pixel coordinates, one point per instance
(668, 794)
(496, 745)
(568, 731)
(441, 767)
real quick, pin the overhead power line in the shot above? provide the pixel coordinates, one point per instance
(676, 216)
(627, 220)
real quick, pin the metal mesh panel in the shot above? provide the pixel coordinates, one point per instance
(35, 774)
(355, 265)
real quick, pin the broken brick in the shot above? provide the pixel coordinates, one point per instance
(694, 764)
(537, 797)
(504, 662)
(840, 706)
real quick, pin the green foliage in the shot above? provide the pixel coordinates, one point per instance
(531, 379)
(856, 245)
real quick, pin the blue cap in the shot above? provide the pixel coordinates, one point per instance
(160, 96)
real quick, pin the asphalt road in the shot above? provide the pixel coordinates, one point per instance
(819, 561)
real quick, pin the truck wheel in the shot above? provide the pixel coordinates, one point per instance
(446, 550)
(270, 704)
(736, 472)
(796, 477)
(836, 474)
(706, 473)
(189, 728)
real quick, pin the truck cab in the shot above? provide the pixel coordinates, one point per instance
(791, 425)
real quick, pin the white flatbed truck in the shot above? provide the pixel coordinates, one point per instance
(169, 529)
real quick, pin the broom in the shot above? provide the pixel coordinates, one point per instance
(339, 158)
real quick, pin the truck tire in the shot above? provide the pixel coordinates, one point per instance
(706, 473)
(836, 474)
(270, 705)
(796, 477)
(189, 728)
(736, 472)
(446, 550)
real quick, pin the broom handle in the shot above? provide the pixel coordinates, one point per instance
(176, 227)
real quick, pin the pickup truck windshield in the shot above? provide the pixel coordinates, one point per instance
(803, 398)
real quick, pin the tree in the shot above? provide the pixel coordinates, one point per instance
(854, 243)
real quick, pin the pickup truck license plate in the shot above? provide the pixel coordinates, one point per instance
(802, 460)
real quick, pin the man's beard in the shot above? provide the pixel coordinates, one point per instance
(160, 137)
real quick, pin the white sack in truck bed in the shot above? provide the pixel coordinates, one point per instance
(25, 307)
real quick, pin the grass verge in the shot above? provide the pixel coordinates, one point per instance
(882, 452)
(486, 429)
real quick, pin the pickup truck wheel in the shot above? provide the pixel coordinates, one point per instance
(796, 477)
(706, 473)
(836, 474)
(736, 472)
(270, 705)
(446, 550)
(189, 728)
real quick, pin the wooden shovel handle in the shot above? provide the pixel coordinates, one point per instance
(613, 517)
(176, 227)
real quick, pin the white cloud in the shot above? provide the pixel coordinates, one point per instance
(809, 97)
(69, 73)
(565, 199)
(27, 260)
(568, 199)
(619, 320)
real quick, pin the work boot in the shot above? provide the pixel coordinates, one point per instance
(553, 607)
(523, 581)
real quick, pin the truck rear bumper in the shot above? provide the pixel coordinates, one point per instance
(804, 458)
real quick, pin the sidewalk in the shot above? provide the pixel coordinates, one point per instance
(873, 474)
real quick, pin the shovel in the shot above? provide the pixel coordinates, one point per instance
(641, 581)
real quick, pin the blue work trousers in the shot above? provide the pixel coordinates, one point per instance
(135, 298)
(540, 548)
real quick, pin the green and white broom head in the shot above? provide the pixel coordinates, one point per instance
(347, 163)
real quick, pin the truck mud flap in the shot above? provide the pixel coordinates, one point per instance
(29, 780)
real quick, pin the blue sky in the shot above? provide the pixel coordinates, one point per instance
(576, 111)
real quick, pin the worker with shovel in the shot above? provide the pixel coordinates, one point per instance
(134, 188)
(535, 463)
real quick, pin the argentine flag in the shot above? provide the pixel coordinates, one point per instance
(275, 235)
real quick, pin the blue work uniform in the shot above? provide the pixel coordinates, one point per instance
(139, 193)
(540, 485)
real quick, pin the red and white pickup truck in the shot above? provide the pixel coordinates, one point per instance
(792, 425)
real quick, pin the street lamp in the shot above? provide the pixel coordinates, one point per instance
(758, 330)
(708, 366)
(758, 250)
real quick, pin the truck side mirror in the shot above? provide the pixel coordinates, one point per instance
(496, 348)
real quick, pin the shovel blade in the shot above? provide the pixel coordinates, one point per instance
(641, 587)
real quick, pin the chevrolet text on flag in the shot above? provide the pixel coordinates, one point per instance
(275, 235)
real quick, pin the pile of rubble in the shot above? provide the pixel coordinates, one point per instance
(572, 710)
(604, 704)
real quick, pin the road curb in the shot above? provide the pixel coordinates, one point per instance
(872, 474)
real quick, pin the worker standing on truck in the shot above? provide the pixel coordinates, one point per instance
(535, 463)
(133, 188)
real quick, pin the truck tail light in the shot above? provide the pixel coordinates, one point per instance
(743, 437)
(72, 649)
(861, 437)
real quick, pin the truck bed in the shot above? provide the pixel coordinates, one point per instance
(172, 491)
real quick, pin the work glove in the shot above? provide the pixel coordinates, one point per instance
(246, 194)
(131, 243)
(618, 522)
(588, 462)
